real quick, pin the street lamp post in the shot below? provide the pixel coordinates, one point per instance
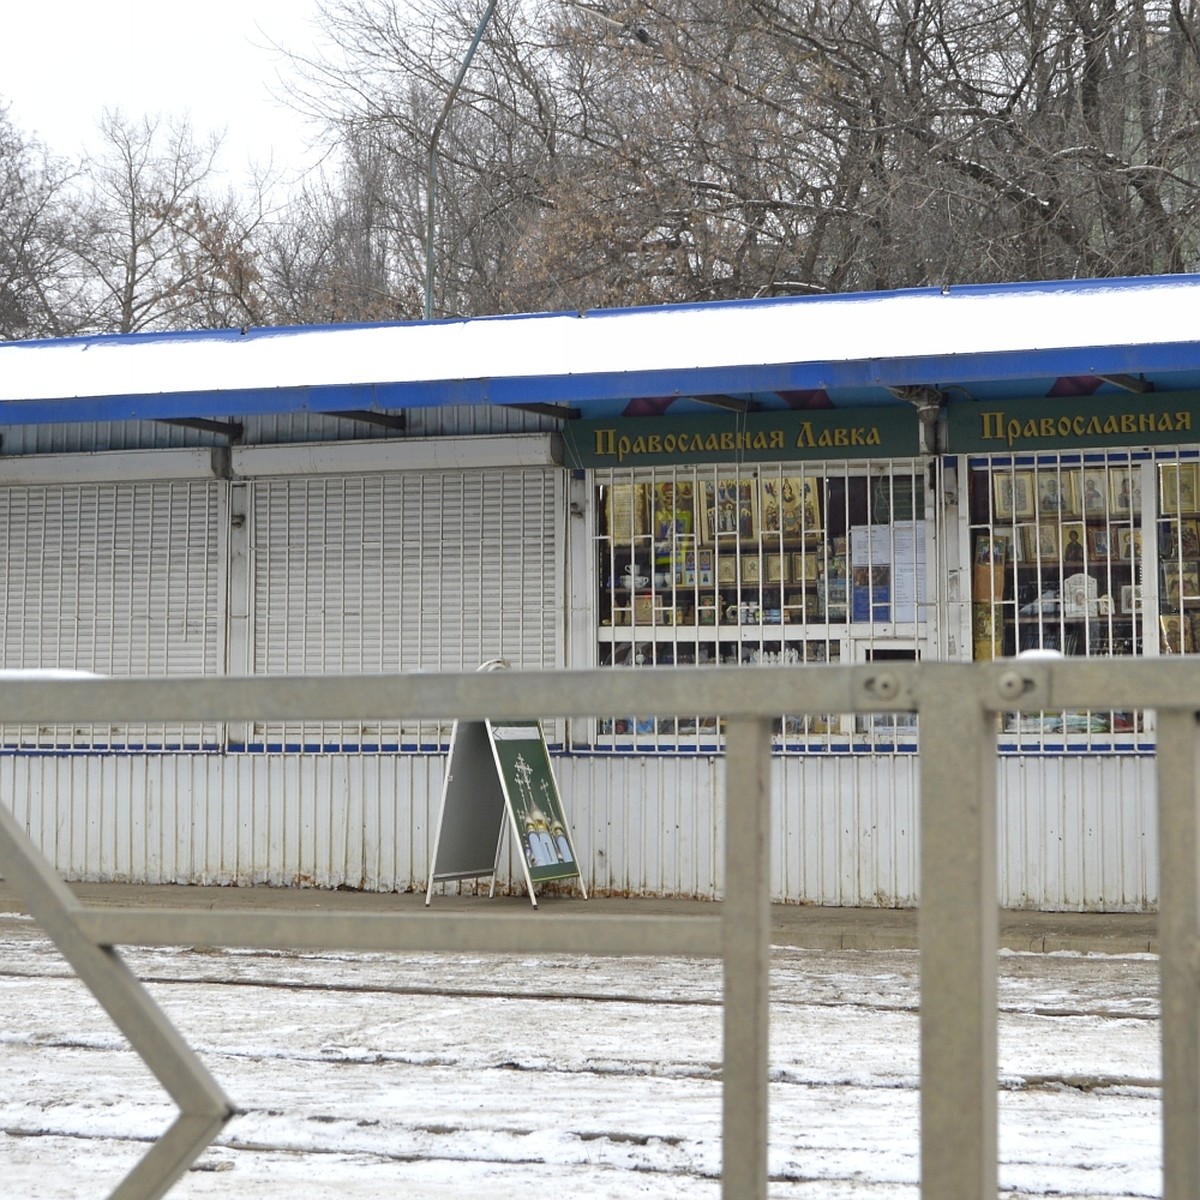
(431, 176)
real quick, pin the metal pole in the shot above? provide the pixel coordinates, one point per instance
(431, 175)
(958, 923)
(746, 937)
(1179, 948)
(203, 1106)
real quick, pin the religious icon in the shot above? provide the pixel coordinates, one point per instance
(790, 507)
(1013, 495)
(1095, 493)
(1074, 543)
(1177, 487)
(625, 511)
(1056, 494)
(1125, 491)
(730, 509)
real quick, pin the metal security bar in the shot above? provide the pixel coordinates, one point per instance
(765, 564)
(1091, 554)
(960, 707)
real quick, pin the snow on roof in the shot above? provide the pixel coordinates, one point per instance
(853, 347)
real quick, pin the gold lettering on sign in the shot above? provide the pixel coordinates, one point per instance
(999, 427)
(862, 435)
(608, 443)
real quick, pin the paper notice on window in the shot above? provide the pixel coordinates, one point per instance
(900, 546)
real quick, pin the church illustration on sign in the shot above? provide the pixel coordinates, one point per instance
(544, 838)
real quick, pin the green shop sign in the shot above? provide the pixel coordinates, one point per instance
(1053, 424)
(743, 437)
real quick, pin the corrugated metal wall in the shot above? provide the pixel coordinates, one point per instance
(1075, 833)
(1078, 832)
(270, 429)
(326, 820)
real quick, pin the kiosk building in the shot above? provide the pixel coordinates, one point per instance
(944, 474)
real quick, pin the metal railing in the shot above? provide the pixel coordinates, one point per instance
(957, 705)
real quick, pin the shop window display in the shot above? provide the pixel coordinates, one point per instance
(1178, 546)
(1055, 562)
(766, 564)
(1058, 564)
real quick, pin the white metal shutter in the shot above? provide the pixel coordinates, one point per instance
(413, 571)
(114, 578)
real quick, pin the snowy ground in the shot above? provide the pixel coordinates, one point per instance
(367, 1076)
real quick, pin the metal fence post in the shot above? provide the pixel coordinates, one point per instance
(204, 1108)
(1179, 948)
(958, 922)
(746, 943)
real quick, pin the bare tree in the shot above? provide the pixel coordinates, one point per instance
(159, 248)
(37, 284)
(613, 152)
(382, 95)
(1045, 137)
(651, 150)
(333, 253)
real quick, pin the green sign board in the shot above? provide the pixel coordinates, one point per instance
(1050, 423)
(540, 826)
(496, 769)
(727, 437)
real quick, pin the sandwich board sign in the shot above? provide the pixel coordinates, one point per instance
(499, 770)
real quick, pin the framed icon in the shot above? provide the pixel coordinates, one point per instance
(1176, 635)
(1125, 491)
(1177, 485)
(790, 506)
(804, 567)
(993, 550)
(1013, 497)
(1099, 541)
(1094, 494)
(1076, 544)
(1056, 495)
(1041, 543)
(775, 568)
(672, 513)
(627, 512)
(1181, 582)
(730, 509)
(1129, 543)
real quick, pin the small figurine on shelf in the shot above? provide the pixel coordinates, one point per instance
(632, 578)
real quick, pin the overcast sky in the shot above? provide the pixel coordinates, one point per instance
(62, 64)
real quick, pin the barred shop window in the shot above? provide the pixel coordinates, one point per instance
(1178, 553)
(1066, 556)
(762, 564)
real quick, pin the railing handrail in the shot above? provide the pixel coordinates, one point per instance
(957, 706)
